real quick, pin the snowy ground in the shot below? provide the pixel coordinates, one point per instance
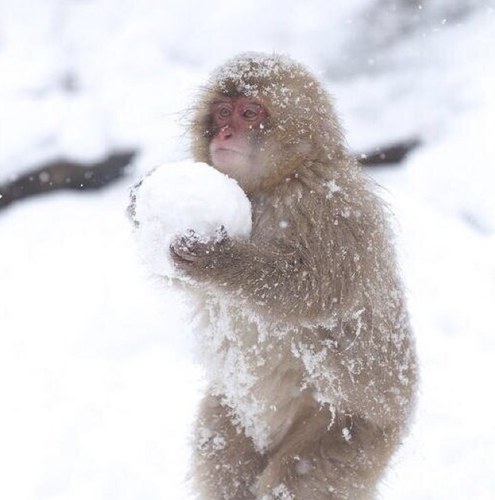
(97, 383)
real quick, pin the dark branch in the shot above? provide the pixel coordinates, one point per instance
(63, 174)
(388, 155)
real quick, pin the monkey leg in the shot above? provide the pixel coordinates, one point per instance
(225, 463)
(326, 457)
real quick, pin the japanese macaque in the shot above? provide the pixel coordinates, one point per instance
(307, 344)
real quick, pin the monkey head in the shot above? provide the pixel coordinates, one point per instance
(260, 118)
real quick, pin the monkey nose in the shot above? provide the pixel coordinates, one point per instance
(226, 132)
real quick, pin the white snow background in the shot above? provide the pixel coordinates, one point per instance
(98, 386)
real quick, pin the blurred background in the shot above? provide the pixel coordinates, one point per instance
(97, 382)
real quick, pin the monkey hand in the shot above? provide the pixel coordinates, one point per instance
(191, 251)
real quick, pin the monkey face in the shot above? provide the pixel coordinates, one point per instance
(260, 118)
(235, 147)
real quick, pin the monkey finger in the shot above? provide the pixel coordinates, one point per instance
(183, 252)
(221, 235)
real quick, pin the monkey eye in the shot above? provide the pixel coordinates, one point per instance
(224, 112)
(251, 112)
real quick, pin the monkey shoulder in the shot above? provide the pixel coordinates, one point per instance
(309, 213)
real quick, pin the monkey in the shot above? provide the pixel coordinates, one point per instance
(308, 348)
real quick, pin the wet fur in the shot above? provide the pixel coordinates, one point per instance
(311, 306)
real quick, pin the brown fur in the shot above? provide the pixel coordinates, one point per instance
(307, 341)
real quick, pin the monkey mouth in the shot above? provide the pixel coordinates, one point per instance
(222, 149)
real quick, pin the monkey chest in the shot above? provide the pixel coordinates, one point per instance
(249, 365)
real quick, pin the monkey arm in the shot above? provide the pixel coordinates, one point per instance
(286, 281)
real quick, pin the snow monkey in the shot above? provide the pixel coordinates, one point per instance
(307, 344)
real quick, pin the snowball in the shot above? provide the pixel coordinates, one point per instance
(178, 197)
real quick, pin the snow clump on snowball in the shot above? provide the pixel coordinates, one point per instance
(177, 197)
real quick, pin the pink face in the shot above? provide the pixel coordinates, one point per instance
(235, 147)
